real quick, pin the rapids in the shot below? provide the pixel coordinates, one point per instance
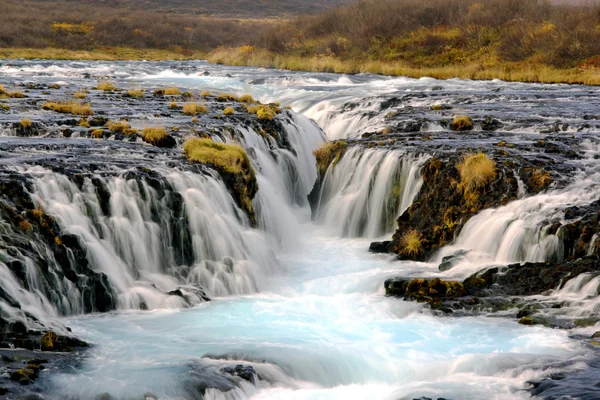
(301, 301)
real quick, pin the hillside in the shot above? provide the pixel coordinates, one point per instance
(222, 8)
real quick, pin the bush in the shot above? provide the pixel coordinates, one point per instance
(476, 170)
(461, 123)
(118, 126)
(154, 136)
(227, 157)
(411, 243)
(228, 111)
(106, 86)
(193, 109)
(69, 107)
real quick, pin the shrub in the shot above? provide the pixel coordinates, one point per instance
(193, 109)
(246, 98)
(461, 123)
(97, 133)
(135, 93)
(330, 152)
(172, 91)
(229, 158)
(228, 111)
(26, 123)
(118, 126)
(411, 243)
(476, 170)
(106, 86)
(80, 95)
(154, 135)
(69, 107)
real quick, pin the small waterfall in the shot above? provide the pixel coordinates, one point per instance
(365, 192)
(520, 230)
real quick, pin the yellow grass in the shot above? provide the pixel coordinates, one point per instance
(246, 98)
(101, 53)
(80, 95)
(193, 109)
(173, 105)
(26, 123)
(136, 93)
(106, 86)
(206, 93)
(97, 133)
(230, 158)
(69, 107)
(411, 243)
(118, 126)
(154, 135)
(171, 91)
(461, 123)
(228, 111)
(329, 153)
(226, 97)
(476, 170)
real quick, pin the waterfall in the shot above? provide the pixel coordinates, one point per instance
(520, 230)
(364, 193)
(165, 234)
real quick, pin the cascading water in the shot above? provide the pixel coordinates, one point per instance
(363, 194)
(520, 231)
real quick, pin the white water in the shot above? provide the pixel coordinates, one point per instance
(363, 194)
(518, 232)
(321, 331)
(305, 308)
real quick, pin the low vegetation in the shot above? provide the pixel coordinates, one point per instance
(80, 95)
(172, 91)
(411, 243)
(227, 157)
(106, 86)
(228, 111)
(136, 93)
(194, 109)
(476, 170)
(69, 107)
(118, 126)
(461, 123)
(154, 136)
(26, 123)
(329, 153)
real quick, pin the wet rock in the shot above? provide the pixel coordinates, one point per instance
(380, 247)
(450, 261)
(245, 372)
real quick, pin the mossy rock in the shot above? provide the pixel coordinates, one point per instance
(49, 341)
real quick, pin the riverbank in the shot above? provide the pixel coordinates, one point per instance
(509, 72)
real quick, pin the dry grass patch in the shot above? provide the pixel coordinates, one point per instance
(193, 109)
(173, 105)
(247, 98)
(97, 133)
(136, 93)
(172, 91)
(461, 123)
(540, 179)
(229, 158)
(226, 97)
(118, 126)
(106, 86)
(69, 107)
(228, 111)
(411, 243)
(26, 123)
(330, 152)
(154, 136)
(205, 93)
(476, 170)
(80, 95)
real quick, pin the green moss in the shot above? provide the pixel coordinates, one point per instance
(585, 322)
(329, 153)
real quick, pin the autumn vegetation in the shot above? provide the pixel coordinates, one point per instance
(522, 40)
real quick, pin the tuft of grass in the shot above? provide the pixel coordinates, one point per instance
(173, 105)
(69, 107)
(246, 98)
(80, 95)
(411, 243)
(15, 95)
(54, 86)
(26, 123)
(476, 170)
(118, 126)
(540, 179)
(136, 93)
(97, 133)
(193, 109)
(5, 107)
(205, 93)
(461, 123)
(266, 113)
(25, 225)
(226, 97)
(154, 135)
(106, 86)
(228, 111)
(84, 123)
(329, 153)
(195, 120)
(229, 158)
(172, 91)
